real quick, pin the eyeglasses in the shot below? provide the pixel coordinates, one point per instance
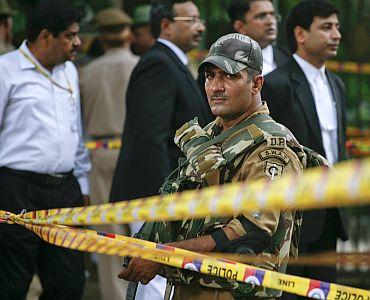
(192, 20)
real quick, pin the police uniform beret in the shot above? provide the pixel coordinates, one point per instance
(112, 18)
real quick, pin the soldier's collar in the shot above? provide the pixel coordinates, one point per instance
(215, 128)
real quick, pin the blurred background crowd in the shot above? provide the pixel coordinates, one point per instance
(351, 63)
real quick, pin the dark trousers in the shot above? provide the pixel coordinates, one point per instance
(22, 253)
(326, 243)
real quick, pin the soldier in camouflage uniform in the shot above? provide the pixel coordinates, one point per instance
(249, 145)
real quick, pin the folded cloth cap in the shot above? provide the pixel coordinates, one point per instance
(5, 10)
(112, 18)
(234, 52)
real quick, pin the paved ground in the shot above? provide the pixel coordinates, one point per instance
(91, 288)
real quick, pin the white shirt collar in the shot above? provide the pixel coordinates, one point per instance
(308, 69)
(268, 54)
(268, 60)
(25, 63)
(180, 54)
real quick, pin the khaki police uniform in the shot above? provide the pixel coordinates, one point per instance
(103, 84)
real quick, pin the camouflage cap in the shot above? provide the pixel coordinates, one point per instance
(234, 52)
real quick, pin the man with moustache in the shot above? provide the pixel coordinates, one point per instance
(244, 138)
(161, 96)
(258, 19)
(43, 161)
(310, 101)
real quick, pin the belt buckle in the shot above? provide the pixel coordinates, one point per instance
(54, 179)
(56, 175)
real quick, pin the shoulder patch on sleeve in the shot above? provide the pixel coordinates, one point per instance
(273, 170)
(276, 142)
(274, 153)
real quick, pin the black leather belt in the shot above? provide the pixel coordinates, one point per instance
(54, 179)
(106, 137)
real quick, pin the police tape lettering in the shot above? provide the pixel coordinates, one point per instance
(222, 272)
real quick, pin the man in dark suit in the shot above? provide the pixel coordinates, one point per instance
(162, 95)
(310, 101)
(258, 20)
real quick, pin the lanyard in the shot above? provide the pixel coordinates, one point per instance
(41, 71)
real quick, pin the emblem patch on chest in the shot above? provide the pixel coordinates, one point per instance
(274, 153)
(273, 170)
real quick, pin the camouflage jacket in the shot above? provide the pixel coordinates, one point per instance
(260, 149)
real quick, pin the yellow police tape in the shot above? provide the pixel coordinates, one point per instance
(353, 259)
(331, 258)
(315, 188)
(103, 144)
(111, 244)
